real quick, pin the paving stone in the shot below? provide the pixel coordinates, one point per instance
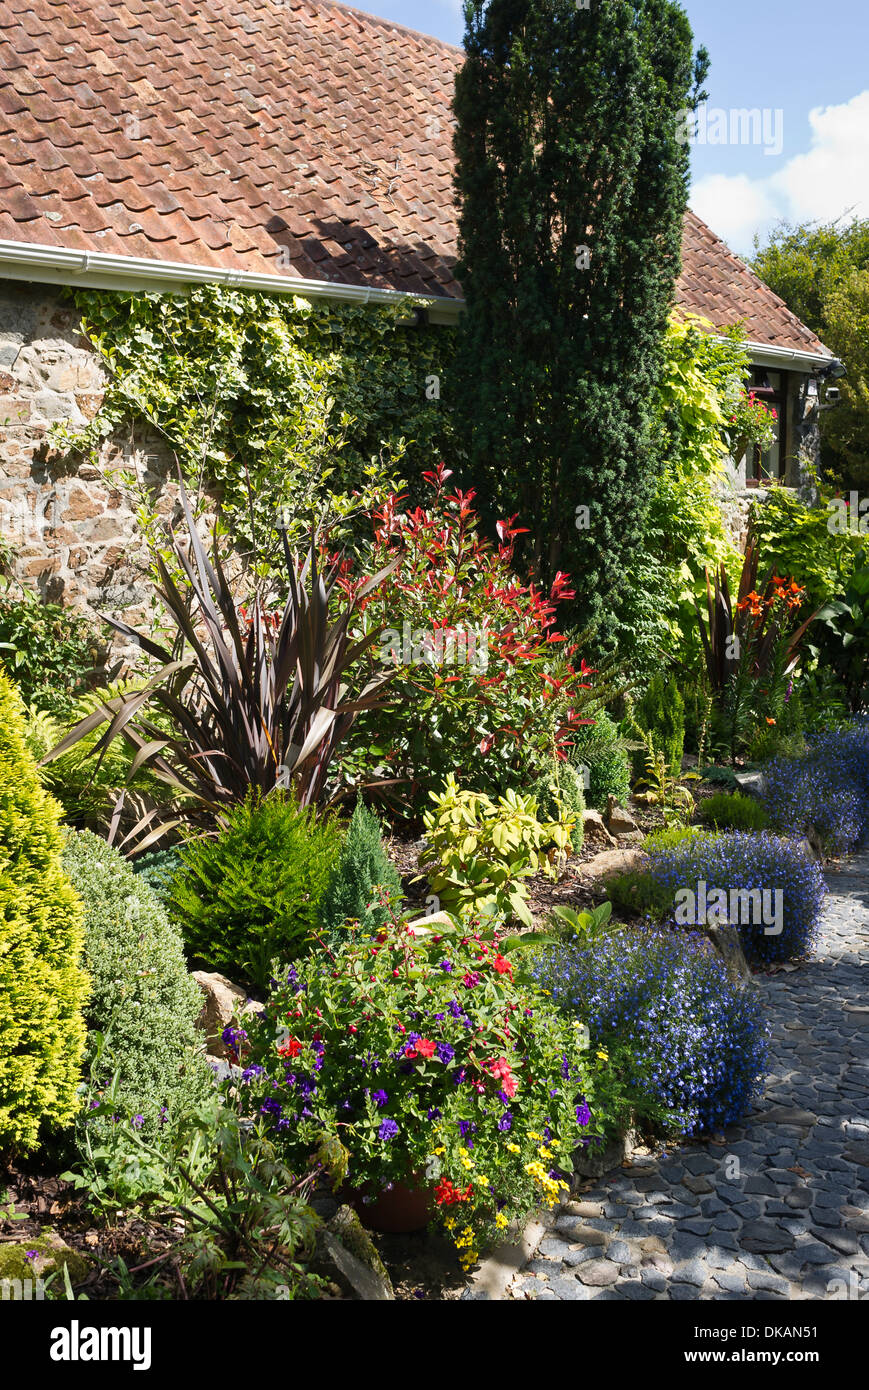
(765, 1236)
(726, 1221)
(759, 1280)
(598, 1273)
(583, 1209)
(553, 1248)
(699, 1163)
(579, 1233)
(731, 1283)
(618, 1251)
(843, 1241)
(697, 1227)
(567, 1289)
(761, 1185)
(683, 1225)
(697, 1184)
(632, 1288)
(814, 1253)
(579, 1257)
(694, 1272)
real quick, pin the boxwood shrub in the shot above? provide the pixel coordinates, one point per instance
(143, 1002)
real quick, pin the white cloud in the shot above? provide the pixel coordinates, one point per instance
(831, 178)
(735, 207)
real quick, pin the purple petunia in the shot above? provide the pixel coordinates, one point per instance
(387, 1130)
(380, 1098)
(506, 1122)
(446, 966)
(445, 1052)
(583, 1115)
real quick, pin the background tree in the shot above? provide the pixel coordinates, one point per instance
(572, 183)
(845, 431)
(821, 271)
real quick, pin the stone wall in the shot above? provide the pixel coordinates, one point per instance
(70, 522)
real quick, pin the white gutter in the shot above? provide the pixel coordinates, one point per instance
(784, 359)
(56, 265)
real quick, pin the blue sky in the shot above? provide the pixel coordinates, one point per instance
(802, 58)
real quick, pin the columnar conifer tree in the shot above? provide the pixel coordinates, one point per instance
(571, 182)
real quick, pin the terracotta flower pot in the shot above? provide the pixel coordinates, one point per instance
(406, 1207)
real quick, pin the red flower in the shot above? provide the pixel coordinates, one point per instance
(424, 1047)
(291, 1048)
(503, 966)
(446, 1194)
(500, 1070)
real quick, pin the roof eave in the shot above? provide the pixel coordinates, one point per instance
(56, 265)
(785, 359)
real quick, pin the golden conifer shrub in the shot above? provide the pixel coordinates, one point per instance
(43, 988)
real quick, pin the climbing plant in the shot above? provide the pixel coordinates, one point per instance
(289, 410)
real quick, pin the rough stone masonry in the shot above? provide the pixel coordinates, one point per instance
(70, 523)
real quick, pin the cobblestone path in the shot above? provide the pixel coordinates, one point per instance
(795, 1219)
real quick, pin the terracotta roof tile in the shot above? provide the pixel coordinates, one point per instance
(219, 132)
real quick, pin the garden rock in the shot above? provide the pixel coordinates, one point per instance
(52, 1256)
(353, 1253)
(619, 821)
(592, 1160)
(614, 861)
(223, 1000)
(751, 783)
(594, 827)
(727, 942)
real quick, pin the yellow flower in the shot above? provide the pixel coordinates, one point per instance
(501, 1221)
(544, 1152)
(513, 1149)
(440, 1151)
(603, 1055)
(466, 1161)
(482, 1180)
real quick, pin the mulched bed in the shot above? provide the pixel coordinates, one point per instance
(570, 889)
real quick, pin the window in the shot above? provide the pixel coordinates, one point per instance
(771, 388)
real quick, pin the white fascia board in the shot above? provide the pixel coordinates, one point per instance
(784, 359)
(55, 265)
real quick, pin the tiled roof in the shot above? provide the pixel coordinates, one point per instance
(289, 137)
